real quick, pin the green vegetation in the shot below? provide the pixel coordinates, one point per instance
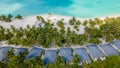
(40, 18)
(19, 61)
(111, 30)
(18, 17)
(76, 28)
(85, 23)
(72, 21)
(8, 18)
(60, 24)
(110, 62)
(78, 22)
(108, 29)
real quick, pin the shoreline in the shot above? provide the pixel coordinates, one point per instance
(100, 17)
(65, 16)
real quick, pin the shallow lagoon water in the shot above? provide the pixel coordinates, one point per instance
(78, 8)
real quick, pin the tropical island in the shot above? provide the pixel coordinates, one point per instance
(72, 42)
(59, 34)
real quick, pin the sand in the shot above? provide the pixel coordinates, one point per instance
(32, 20)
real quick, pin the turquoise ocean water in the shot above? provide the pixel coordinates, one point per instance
(78, 8)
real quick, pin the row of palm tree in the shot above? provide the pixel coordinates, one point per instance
(50, 35)
(19, 61)
(8, 18)
(109, 62)
(42, 36)
(74, 21)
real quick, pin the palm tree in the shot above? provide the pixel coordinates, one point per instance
(75, 39)
(59, 62)
(10, 16)
(94, 41)
(85, 23)
(60, 24)
(82, 39)
(78, 23)
(68, 36)
(8, 34)
(12, 28)
(9, 54)
(76, 27)
(2, 64)
(8, 20)
(3, 17)
(18, 17)
(98, 21)
(2, 35)
(92, 23)
(73, 19)
(76, 61)
(40, 18)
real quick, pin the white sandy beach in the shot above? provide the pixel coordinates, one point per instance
(32, 20)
